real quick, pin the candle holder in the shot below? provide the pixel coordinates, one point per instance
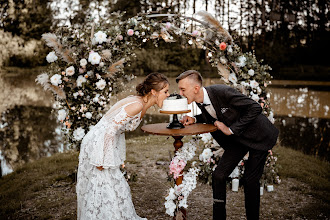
(175, 123)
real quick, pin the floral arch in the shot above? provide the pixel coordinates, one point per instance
(87, 64)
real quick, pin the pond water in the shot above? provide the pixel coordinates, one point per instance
(28, 129)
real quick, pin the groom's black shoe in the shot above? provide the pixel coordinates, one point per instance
(219, 210)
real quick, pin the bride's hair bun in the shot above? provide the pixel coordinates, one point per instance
(140, 89)
(156, 81)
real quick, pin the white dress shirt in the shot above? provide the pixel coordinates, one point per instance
(210, 109)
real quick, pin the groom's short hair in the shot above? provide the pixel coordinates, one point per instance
(191, 74)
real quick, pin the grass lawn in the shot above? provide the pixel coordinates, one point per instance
(45, 189)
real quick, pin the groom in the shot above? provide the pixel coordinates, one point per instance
(241, 127)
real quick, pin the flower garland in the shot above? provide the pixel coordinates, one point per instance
(86, 68)
(178, 194)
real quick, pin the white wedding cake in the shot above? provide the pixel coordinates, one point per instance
(175, 102)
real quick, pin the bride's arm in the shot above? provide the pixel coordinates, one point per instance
(102, 157)
(133, 109)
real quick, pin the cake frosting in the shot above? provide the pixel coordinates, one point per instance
(175, 102)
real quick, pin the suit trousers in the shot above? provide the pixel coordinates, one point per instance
(254, 167)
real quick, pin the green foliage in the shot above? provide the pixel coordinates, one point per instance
(25, 183)
(305, 168)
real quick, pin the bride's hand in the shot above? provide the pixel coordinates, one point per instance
(100, 168)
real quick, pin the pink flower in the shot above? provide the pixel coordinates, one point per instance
(195, 33)
(120, 37)
(168, 25)
(176, 167)
(271, 152)
(223, 46)
(130, 32)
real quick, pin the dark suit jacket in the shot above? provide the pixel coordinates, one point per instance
(243, 116)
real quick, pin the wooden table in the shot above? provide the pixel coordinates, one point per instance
(177, 134)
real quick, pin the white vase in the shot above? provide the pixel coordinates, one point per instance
(234, 185)
(270, 188)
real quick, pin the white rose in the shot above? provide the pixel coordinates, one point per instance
(206, 155)
(101, 84)
(100, 37)
(254, 84)
(88, 115)
(70, 71)
(81, 79)
(83, 62)
(241, 61)
(79, 133)
(61, 115)
(251, 72)
(51, 57)
(206, 137)
(255, 97)
(94, 58)
(56, 79)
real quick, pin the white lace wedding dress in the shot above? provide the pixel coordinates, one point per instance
(106, 194)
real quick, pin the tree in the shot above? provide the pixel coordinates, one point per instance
(26, 18)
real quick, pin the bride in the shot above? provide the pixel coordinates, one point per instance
(102, 191)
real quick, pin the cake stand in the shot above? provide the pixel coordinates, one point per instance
(175, 124)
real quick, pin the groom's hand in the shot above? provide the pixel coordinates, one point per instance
(222, 127)
(186, 120)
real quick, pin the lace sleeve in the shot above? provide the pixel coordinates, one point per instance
(109, 145)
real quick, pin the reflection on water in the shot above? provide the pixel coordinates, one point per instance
(309, 135)
(28, 131)
(301, 102)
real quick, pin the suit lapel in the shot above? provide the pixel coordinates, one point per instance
(215, 103)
